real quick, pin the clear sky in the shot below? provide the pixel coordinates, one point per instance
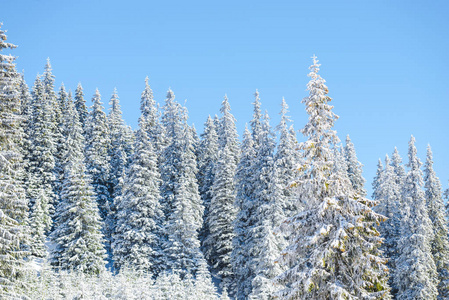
(385, 62)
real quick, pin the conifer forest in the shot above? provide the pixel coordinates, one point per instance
(93, 209)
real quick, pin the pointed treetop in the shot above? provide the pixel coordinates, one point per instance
(114, 102)
(48, 65)
(414, 162)
(170, 95)
(97, 93)
(315, 67)
(284, 118)
(225, 107)
(429, 154)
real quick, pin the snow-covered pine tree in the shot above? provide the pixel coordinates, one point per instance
(56, 118)
(62, 99)
(118, 151)
(181, 201)
(204, 287)
(137, 237)
(150, 112)
(354, 168)
(61, 136)
(399, 171)
(226, 130)
(207, 154)
(81, 107)
(333, 251)
(77, 235)
(221, 217)
(97, 158)
(256, 122)
(387, 194)
(437, 215)
(25, 98)
(243, 202)
(266, 214)
(13, 204)
(246, 178)
(420, 281)
(376, 181)
(40, 155)
(286, 161)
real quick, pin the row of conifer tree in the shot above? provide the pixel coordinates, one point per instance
(266, 217)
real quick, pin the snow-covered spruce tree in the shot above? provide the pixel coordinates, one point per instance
(399, 171)
(246, 178)
(243, 202)
(256, 122)
(226, 130)
(440, 242)
(13, 204)
(420, 281)
(61, 136)
(204, 287)
(266, 214)
(81, 107)
(354, 168)
(56, 118)
(117, 152)
(25, 98)
(376, 181)
(333, 251)
(221, 217)
(181, 201)
(286, 161)
(137, 236)
(40, 155)
(150, 112)
(62, 99)
(97, 158)
(387, 194)
(77, 235)
(207, 154)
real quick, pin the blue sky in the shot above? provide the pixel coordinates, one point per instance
(385, 62)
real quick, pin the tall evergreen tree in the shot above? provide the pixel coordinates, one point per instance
(207, 154)
(121, 144)
(78, 238)
(418, 282)
(376, 181)
(333, 251)
(97, 159)
(56, 118)
(13, 205)
(440, 242)
(256, 122)
(267, 214)
(25, 98)
(221, 217)
(150, 112)
(137, 237)
(243, 202)
(40, 155)
(286, 161)
(226, 130)
(388, 194)
(354, 168)
(81, 107)
(399, 171)
(181, 202)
